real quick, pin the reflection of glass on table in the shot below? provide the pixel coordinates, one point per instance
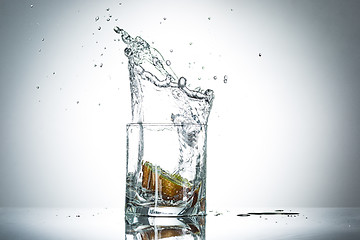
(153, 228)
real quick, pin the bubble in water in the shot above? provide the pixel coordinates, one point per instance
(225, 78)
(168, 62)
(97, 18)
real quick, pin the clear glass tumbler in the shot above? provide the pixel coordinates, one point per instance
(166, 169)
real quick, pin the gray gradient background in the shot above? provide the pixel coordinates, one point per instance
(284, 130)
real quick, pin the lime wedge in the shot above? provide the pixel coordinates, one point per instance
(170, 186)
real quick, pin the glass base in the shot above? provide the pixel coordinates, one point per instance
(163, 211)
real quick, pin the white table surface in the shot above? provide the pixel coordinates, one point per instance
(109, 223)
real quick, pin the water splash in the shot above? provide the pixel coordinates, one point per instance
(157, 93)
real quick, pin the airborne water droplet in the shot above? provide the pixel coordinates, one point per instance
(32, 5)
(97, 18)
(225, 78)
(37, 87)
(215, 77)
(99, 28)
(128, 52)
(108, 19)
(101, 65)
(108, 9)
(168, 62)
(43, 39)
(117, 30)
(182, 82)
